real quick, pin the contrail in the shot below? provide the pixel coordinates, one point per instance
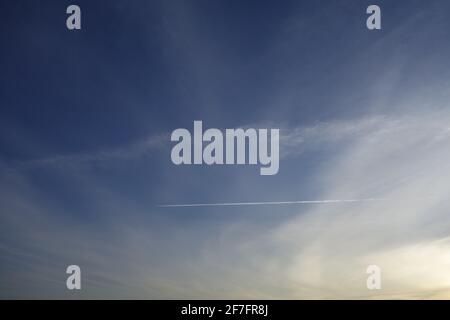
(229, 204)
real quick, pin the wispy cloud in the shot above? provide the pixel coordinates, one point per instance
(321, 252)
(129, 151)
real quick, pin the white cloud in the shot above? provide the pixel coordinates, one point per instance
(322, 252)
(402, 159)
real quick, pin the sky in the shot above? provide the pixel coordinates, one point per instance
(85, 167)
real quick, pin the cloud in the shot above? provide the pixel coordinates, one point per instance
(320, 252)
(325, 249)
(399, 158)
(130, 151)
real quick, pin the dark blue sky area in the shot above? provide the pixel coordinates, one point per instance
(89, 100)
(135, 70)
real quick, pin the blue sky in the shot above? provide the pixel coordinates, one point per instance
(85, 123)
